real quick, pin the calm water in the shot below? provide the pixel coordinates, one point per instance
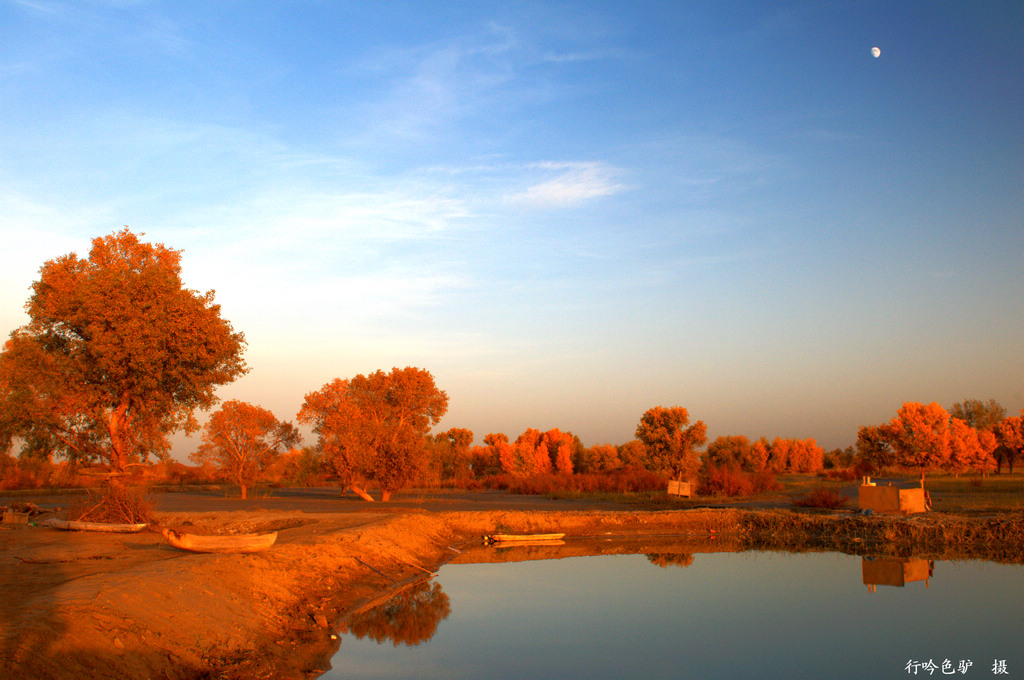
(723, 615)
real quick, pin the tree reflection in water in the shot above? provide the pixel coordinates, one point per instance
(410, 617)
(664, 560)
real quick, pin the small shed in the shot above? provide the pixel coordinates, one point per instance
(891, 498)
(681, 489)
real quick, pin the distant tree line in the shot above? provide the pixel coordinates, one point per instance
(118, 354)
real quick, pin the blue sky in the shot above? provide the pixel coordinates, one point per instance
(567, 212)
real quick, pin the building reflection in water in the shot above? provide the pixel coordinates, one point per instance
(895, 572)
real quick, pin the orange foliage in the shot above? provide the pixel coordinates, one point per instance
(926, 437)
(822, 498)
(729, 450)
(242, 440)
(410, 617)
(670, 444)
(1010, 439)
(451, 453)
(537, 453)
(118, 355)
(730, 481)
(603, 457)
(759, 454)
(919, 435)
(375, 426)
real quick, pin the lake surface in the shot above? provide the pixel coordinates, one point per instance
(722, 615)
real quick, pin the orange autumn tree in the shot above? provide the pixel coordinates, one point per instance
(802, 455)
(919, 436)
(535, 452)
(118, 354)
(926, 437)
(518, 459)
(376, 426)
(671, 442)
(603, 458)
(760, 451)
(451, 453)
(1009, 434)
(243, 440)
(969, 448)
(531, 453)
(729, 451)
(561, 447)
(874, 448)
(498, 451)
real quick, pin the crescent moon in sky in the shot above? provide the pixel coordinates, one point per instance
(875, 52)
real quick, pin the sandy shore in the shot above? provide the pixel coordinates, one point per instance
(92, 605)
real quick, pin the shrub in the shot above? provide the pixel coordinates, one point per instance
(724, 481)
(843, 474)
(728, 480)
(764, 481)
(822, 498)
(117, 504)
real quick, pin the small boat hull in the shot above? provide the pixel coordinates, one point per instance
(240, 543)
(522, 538)
(70, 525)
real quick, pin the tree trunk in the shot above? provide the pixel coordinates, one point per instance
(244, 492)
(116, 429)
(385, 495)
(359, 492)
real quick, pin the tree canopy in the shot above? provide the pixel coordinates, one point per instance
(671, 445)
(1010, 439)
(117, 355)
(375, 426)
(925, 436)
(242, 440)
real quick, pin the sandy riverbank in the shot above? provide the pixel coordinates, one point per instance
(121, 606)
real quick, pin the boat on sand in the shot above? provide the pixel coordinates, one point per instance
(71, 525)
(238, 543)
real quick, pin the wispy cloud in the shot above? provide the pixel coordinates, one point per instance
(584, 56)
(574, 183)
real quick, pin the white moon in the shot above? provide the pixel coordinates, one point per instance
(875, 52)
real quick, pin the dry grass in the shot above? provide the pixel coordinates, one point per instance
(931, 535)
(976, 494)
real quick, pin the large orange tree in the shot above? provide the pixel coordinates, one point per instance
(118, 354)
(376, 426)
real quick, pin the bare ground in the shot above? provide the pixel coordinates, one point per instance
(124, 606)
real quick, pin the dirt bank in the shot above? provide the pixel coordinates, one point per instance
(121, 606)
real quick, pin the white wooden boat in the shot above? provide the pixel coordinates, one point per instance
(238, 543)
(71, 525)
